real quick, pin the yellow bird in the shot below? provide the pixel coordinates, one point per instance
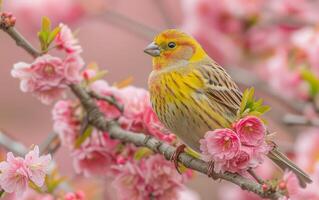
(191, 94)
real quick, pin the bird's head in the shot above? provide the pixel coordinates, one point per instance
(173, 46)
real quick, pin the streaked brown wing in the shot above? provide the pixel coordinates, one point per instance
(220, 87)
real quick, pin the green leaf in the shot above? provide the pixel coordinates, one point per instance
(99, 75)
(87, 133)
(312, 80)
(46, 25)
(142, 153)
(53, 180)
(250, 106)
(53, 34)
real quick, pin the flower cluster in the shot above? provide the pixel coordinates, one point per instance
(236, 150)
(16, 172)
(94, 153)
(278, 39)
(47, 76)
(153, 177)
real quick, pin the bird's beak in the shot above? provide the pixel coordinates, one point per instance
(152, 49)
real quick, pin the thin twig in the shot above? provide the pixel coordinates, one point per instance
(51, 144)
(299, 120)
(21, 41)
(109, 99)
(165, 15)
(128, 24)
(10, 144)
(255, 176)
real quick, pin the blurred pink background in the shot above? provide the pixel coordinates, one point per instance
(113, 47)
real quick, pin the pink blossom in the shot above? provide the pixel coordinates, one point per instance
(65, 122)
(79, 195)
(130, 183)
(220, 144)
(251, 130)
(14, 176)
(135, 101)
(16, 172)
(241, 162)
(66, 41)
(96, 155)
(38, 166)
(72, 67)
(155, 127)
(291, 184)
(308, 144)
(282, 78)
(153, 176)
(47, 77)
(163, 179)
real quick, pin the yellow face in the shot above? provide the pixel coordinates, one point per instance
(172, 46)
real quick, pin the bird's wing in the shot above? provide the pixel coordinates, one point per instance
(219, 86)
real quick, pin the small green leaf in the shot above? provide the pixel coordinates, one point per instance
(53, 34)
(142, 153)
(312, 80)
(46, 25)
(87, 133)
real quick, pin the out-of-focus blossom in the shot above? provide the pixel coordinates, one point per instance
(307, 150)
(65, 122)
(282, 78)
(31, 11)
(187, 194)
(16, 172)
(234, 192)
(47, 77)
(79, 195)
(220, 144)
(152, 177)
(251, 130)
(37, 166)
(66, 41)
(290, 183)
(306, 41)
(29, 194)
(95, 156)
(14, 176)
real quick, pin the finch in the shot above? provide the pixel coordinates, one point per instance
(191, 94)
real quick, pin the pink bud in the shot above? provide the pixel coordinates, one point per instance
(282, 185)
(265, 187)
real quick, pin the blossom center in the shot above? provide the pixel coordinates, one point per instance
(49, 69)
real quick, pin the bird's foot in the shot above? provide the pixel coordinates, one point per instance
(211, 173)
(180, 149)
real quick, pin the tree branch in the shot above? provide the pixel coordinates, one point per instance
(21, 41)
(97, 119)
(11, 145)
(299, 120)
(109, 99)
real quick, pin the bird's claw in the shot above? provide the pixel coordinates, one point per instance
(180, 149)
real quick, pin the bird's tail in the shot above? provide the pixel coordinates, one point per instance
(285, 164)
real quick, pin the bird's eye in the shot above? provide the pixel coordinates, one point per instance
(171, 45)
